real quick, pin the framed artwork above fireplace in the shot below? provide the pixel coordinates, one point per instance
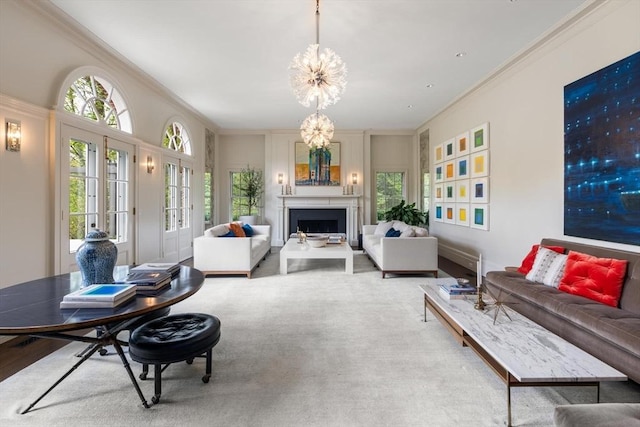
(317, 166)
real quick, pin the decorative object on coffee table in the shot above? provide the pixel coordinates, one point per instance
(497, 305)
(317, 240)
(96, 258)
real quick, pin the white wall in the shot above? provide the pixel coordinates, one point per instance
(524, 106)
(39, 52)
(26, 218)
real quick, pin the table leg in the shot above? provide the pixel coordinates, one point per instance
(509, 402)
(73, 368)
(125, 362)
(348, 263)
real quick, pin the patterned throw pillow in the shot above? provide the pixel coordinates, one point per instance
(548, 267)
(527, 262)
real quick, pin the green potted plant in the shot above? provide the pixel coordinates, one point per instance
(250, 186)
(408, 214)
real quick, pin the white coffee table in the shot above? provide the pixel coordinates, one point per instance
(294, 250)
(521, 352)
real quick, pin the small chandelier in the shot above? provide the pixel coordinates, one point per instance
(317, 130)
(319, 75)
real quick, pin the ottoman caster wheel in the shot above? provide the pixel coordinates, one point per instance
(205, 379)
(189, 361)
(155, 399)
(103, 352)
(143, 376)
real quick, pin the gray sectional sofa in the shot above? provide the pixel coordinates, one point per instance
(612, 334)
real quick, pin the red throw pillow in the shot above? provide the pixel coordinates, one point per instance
(237, 229)
(599, 279)
(527, 262)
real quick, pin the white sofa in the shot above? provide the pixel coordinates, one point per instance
(213, 254)
(409, 253)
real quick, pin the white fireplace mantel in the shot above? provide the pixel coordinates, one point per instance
(299, 201)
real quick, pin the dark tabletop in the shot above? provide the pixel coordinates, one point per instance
(34, 307)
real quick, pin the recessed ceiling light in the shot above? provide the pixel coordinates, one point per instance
(409, 106)
(461, 54)
(430, 85)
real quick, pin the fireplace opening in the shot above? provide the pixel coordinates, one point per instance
(324, 221)
(318, 225)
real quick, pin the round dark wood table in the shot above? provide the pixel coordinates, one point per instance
(33, 308)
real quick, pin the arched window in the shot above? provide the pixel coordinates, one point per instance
(95, 98)
(176, 138)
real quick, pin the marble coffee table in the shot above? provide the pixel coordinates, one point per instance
(521, 352)
(294, 250)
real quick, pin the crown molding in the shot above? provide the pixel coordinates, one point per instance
(23, 107)
(578, 15)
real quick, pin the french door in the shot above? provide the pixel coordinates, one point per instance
(178, 210)
(96, 192)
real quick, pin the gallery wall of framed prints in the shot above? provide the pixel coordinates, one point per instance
(461, 179)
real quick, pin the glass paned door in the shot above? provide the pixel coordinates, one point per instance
(178, 235)
(95, 193)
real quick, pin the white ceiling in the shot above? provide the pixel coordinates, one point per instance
(229, 59)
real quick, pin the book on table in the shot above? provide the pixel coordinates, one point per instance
(163, 267)
(148, 280)
(456, 288)
(446, 295)
(106, 295)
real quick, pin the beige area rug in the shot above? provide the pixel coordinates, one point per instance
(316, 347)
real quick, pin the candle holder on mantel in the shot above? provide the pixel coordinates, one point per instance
(480, 304)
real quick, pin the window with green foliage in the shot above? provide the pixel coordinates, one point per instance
(96, 99)
(176, 138)
(171, 197)
(426, 191)
(389, 191)
(239, 201)
(83, 191)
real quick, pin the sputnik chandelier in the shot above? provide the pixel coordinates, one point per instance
(317, 130)
(318, 75)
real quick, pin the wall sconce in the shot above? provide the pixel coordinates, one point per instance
(13, 134)
(150, 165)
(280, 178)
(354, 178)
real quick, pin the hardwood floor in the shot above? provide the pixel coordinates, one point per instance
(20, 352)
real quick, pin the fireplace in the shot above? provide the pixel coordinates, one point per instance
(318, 220)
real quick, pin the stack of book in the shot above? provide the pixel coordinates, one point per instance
(148, 281)
(335, 239)
(158, 267)
(454, 290)
(99, 296)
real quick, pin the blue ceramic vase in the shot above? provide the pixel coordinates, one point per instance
(96, 258)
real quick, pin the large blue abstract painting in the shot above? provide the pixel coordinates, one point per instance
(602, 154)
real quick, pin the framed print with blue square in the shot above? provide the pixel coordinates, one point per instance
(479, 216)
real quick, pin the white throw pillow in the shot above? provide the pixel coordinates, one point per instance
(383, 227)
(421, 232)
(400, 226)
(408, 232)
(219, 230)
(548, 267)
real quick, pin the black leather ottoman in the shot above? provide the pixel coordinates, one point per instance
(175, 338)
